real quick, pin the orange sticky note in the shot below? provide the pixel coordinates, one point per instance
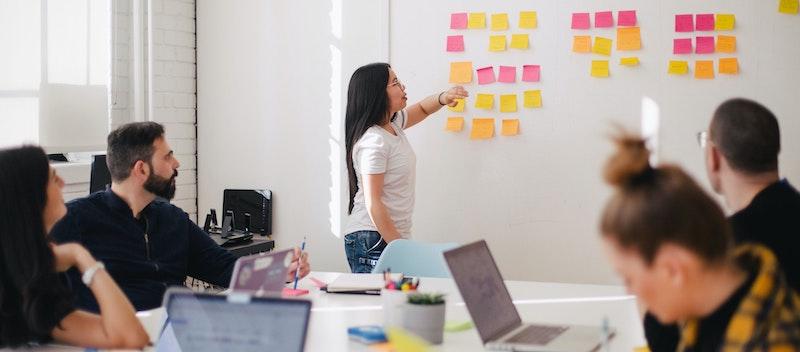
(460, 104)
(704, 69)
(461, 72)
(527, 19)
(582, 44)
(678, 67)
(497, 43)
(484, 101)
(726, 44)
(482, 128)
(499, 21)
(629, 38)
(729, 66)
(454, 124)
(600, 68)
(725, 22)
(519, 41)
(790, 7)
(602, 46)
(510, 127)
(508, 103)
(532, 98)
(476, 20)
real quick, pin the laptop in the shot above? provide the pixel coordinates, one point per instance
(261, 273)
(496, 318)
(238, 322)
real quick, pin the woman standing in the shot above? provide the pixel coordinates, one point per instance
(381, 165)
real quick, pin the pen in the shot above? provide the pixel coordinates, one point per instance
(606, 334)
(299, 260)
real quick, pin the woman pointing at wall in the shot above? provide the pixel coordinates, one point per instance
(381, 165)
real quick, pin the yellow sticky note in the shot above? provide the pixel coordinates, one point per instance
(532, 98)
(497, 43)
(704, 69)
(629, 38)
(582, 44)
(602, 46)
(455, 124)
(678, 67)
(510, 127)
(789, 6)
(519, 41)
(460, 104)
(600, 68)
(405, 342)
(641, 349)
(461, 72)
(476, 20)
(726, 44)
(629, 61)
(725, 22)
(527, 19)
(508, 103)
(729, 66)
(485, 101)
(482, 128)
(499, 21)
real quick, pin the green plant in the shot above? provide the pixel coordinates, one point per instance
(426, 298)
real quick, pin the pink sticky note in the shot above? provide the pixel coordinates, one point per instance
(458, 20)
(684, 23)
(705, 22)
(603, 19)
(508, 74)
(288, 292)
(682, 46)
(580, 20)
(705, 45)
(626, 18)
(531, 73)
(486, 75)
(455, 43)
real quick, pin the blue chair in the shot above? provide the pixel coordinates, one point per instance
(414, 258)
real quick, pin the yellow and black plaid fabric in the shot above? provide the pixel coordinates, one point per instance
(768, 318)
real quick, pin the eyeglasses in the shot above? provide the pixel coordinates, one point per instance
(396, 83)
(702, 139)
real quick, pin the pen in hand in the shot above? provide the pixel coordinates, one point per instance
(299, 262)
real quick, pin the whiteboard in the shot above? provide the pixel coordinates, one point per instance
(537, 197)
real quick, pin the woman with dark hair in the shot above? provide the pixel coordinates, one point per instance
(35, 304)
(673, 247)
(380, 162)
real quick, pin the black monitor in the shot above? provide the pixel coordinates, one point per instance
(100, 178)
(255, 204)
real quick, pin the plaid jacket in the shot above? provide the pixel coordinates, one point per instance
(768, 317)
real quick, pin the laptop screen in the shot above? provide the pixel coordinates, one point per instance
(200, 322)
(482, 287)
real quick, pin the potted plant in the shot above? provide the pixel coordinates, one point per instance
(424, 316)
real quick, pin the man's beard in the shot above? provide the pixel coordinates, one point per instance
(160, 186)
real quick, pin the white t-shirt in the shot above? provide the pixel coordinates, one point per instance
(380, 152)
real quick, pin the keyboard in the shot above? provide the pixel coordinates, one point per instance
(536, 335)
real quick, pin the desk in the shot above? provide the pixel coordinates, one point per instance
(258, 244)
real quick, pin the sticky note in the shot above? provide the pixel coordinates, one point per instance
(704, 22)
(402, 341)
(461, 72)
(682, 46)
(454, 124)
(477, 20)
(497, 43)
(684, 23)
(602, 46)
(629, 61)
(528, 20)
(629, 38)
(459, 107)
(532, 98)
(519, 41)
(510, 127)
(458, 20)
(508, 103)
(482, 128)
(455, 43)
(626, 18)
(531, 73)
(725, 22)
(580, 20)
(678, 67)
(508, 74)
(582, 44)
(704, 69)
(704, 45)
(789, 6)
(485, 101)
(726, 44)
(485, 75)
(603, 19)
(729, 65)
(499, 21)
(600, 68)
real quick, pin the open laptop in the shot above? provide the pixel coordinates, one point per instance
(261, 273)
(238, 322)
(496, 318)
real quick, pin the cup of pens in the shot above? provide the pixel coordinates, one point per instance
(394, 296)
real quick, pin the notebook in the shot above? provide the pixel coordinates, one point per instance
(359, 283)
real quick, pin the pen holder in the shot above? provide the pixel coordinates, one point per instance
(425, 317)
(393, 305)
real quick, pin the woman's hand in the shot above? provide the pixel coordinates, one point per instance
(449, 96)
(71, 254)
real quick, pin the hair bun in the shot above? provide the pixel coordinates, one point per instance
(630, 162)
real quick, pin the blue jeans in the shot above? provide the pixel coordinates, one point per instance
(363, 248)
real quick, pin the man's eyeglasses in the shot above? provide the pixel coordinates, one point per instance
(702, 139)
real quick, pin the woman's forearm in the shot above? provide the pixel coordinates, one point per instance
(380, 217)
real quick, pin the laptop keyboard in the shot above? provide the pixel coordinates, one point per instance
(537, 334)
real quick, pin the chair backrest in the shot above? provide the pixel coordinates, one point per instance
(414, 258)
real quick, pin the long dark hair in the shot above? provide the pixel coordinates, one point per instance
(31, 295)
(367, 104)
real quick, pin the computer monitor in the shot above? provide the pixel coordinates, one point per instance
(100, 178)
(255, 202)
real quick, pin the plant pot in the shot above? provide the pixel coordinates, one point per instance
(425, 321)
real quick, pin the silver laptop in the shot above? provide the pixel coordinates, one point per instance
(496, 318)
(261, 273)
